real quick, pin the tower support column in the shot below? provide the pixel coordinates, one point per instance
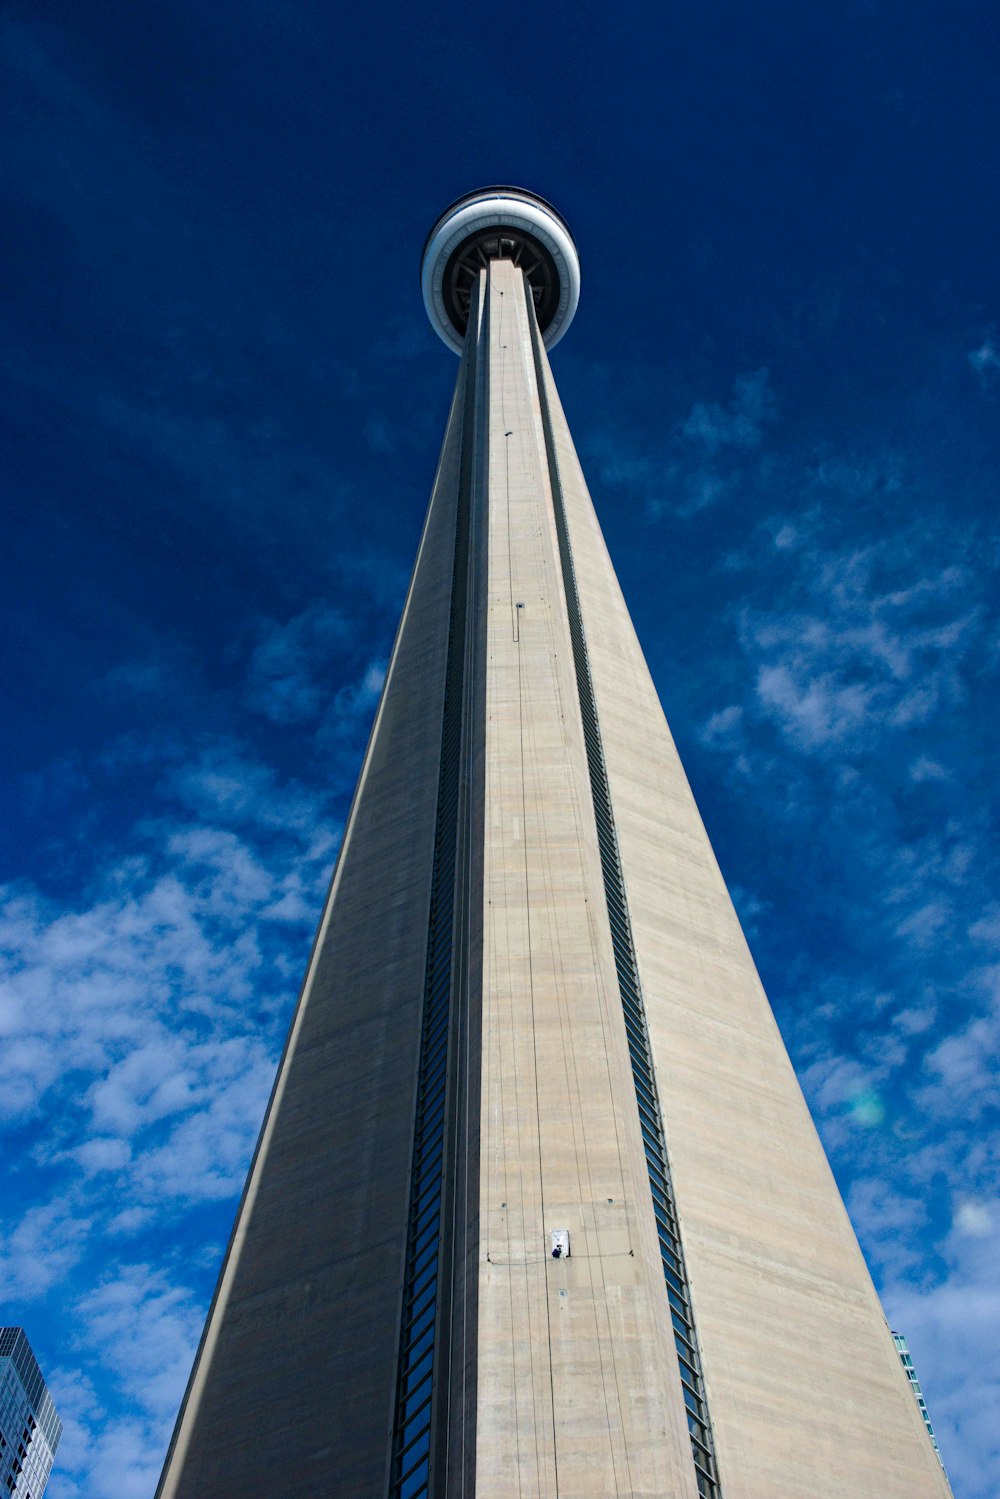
(537, 1206)
(578, 1384)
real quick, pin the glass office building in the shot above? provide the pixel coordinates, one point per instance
(30, 1428)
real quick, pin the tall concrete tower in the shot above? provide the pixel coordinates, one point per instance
(537, 1208)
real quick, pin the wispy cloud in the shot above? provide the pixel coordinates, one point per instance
(950, 1326)
(985, 363)
(140, 1028)
(740, 422)
(287, 666)
(867, 653)
(141, 1327)
(353, 707)
(964, 1064)
(41, 1247)
(856, 725)
(706, 455)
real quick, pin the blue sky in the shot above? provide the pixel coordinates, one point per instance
(221, 409)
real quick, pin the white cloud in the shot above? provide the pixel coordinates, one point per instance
(146, 1329)
(353, 707)
(950, 1326)
(963, 1066)
(926, 923)
(123, 1458)
(705, 457)
(974, 1219)
(833, 1082)
(786, 537)
(80, 1412)
(140, 1030)
(722, 727)
(924, 768)
(985, 361)
(701, 489)
(749, 908)
(739, 424)
(102, 1153)
(224, 785)
(914, 1022)
(288, 670)
(102, 1456)
(986, 929)
(222, 872)
(814, 711)
(892, 1224)
(861, 656)
(43, 1244)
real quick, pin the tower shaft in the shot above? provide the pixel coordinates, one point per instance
(530, 1011)
(579, 1386)
(797, 1359)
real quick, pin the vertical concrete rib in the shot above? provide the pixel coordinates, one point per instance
(579, 1391)
(800, 1371)
(662, 1197)
(294, 1380)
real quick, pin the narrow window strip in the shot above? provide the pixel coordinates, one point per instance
(418, 1330)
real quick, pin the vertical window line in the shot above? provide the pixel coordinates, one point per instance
(630, 987)
(419, 1395)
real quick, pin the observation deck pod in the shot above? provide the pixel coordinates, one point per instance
(499, 223)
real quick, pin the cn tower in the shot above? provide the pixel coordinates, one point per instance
(537, 1208)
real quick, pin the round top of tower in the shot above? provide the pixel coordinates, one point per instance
(490, 224)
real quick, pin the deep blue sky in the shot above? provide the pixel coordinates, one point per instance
(221, 409)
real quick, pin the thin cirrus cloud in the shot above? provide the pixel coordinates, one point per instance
(865, 653)
(289, 676)
(708, 454)
(985, 362)
(738, 423)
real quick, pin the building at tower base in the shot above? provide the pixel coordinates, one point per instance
(30, 1428)
(531, 1024)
